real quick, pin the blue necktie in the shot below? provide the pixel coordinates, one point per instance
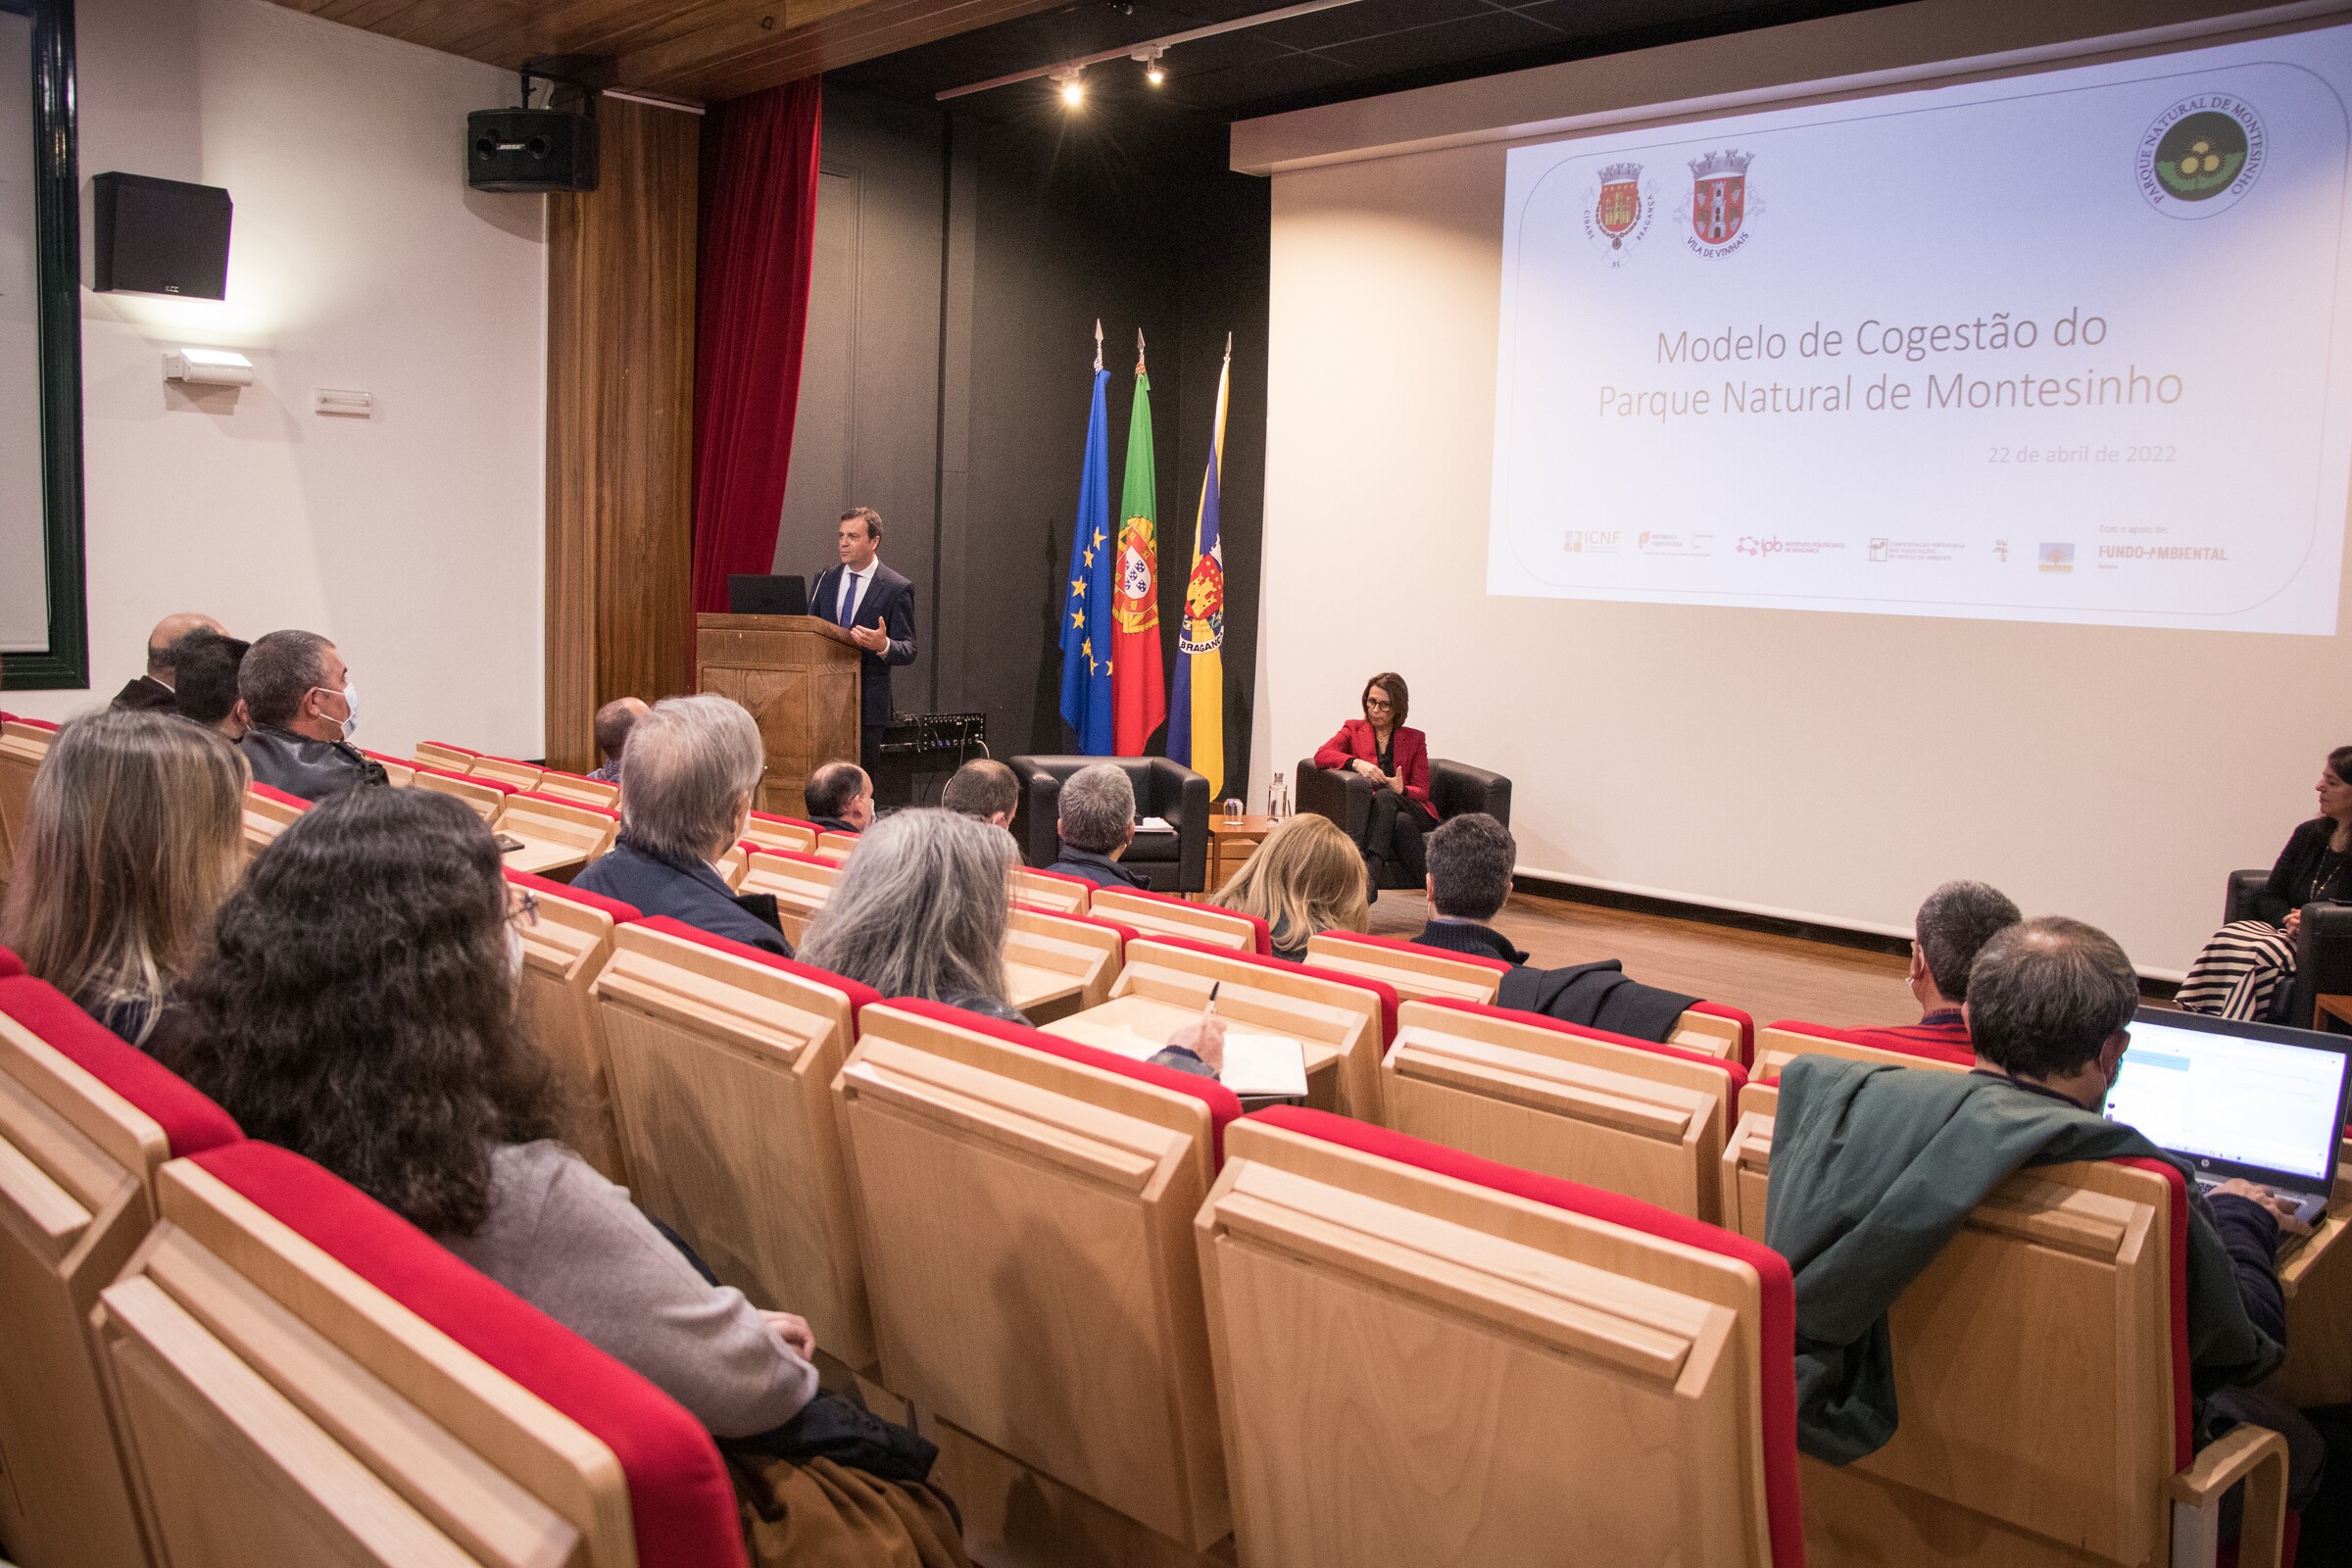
(844, 608)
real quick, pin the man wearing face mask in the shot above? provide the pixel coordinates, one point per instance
(302, 709)
(1874, 1168)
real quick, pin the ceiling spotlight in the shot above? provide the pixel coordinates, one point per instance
(1073, 88)
(1153, 72)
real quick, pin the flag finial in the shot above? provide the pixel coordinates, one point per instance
(1097, 342)
(1138, 351)
(1229, 345)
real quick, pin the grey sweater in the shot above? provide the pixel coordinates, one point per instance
(572, 1244)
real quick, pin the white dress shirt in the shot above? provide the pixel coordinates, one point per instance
(853, 591)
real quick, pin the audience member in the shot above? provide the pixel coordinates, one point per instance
(1379, 747)
(613, 721)
(302, 709)
(132, 836)
(411, 1077)
(983, 788)
(1875, 1167)
(1471, 857)
(1951, 928)
(2246, 966)
(840, 798)
(204, 687)
(686, 783)
(1307, 876)
(154, 689)
(1095, 826)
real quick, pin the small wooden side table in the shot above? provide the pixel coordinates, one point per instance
(1230, 840)
(2324, 1008)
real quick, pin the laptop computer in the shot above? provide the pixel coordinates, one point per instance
(2256, 1101)
(754, 594)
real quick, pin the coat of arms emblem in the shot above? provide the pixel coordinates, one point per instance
(1718, 200)
(1620, 205)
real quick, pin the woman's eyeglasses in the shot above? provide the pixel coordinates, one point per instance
(524, 912)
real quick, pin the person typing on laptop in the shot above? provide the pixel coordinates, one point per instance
(1875, 1167)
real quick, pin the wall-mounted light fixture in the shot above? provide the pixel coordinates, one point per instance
(208, 366)
(1072, 85)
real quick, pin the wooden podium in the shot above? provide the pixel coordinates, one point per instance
(797, 675)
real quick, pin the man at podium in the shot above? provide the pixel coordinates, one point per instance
(878, 607)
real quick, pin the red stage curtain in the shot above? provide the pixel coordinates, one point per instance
(759, 240)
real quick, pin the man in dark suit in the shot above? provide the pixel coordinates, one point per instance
(154, 689)
(878, 607)
(1470, 861)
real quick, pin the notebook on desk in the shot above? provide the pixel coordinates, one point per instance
(2236, 1099)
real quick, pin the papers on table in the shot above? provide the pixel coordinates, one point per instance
(1153, 825)
(1266, 1065)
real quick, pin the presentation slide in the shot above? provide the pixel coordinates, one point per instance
(2061, 347)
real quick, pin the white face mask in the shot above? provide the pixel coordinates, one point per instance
(350, 709)
(514, 950)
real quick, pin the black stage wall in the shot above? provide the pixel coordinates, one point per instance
(961, 261)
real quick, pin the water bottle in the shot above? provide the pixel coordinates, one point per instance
(1278, 800)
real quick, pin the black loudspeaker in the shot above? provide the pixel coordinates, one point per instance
(160, 236)
(530, 150)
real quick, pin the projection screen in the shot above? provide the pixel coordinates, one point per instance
(1907, 446)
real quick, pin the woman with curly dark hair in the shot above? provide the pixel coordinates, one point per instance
(359, 1006)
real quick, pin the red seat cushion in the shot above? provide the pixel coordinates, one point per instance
(1731, 1069)
(859, 995)
(681, 1503)
(2184, 1432)
(270, 793)
(1262, 934)
(1380, 990)
(558, 800)
(1747, 1026)
(1224, 1106)
(451, 773)
(550, 888)
(190, 1121)
(1776, 1324)
(10, 964)
(1398, 944)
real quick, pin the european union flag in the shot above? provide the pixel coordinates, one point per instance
(1085, 620)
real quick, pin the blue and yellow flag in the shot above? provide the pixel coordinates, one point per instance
(1086, 622)
(1197, 710)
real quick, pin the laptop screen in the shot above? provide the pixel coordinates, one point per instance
(2229, 1094)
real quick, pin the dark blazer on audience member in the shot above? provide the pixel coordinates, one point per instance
(833, 824)
(1409, 752)
(694, 893)
(1099, 870)
(144, 692)
(889, 602)
(1468, 936)
(309, 769)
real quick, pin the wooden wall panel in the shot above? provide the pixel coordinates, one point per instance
(620, 425)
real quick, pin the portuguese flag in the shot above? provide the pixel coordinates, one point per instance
(1136, 702)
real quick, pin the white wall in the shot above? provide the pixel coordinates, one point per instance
(1827, 767)
(358, 260)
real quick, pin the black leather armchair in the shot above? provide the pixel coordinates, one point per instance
(2323, 948)
(1453, 789)
(1169, 862)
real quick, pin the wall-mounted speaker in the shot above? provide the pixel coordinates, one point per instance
(160, 236)
(530, 150)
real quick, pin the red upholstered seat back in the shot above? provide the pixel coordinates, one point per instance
(1399, 944)
(1224, 1106)
(1883, 1040)
(1261, 935)
(1127, 934)
(271, 792)
(36, 723)
(1380, 990)
(1060, 876)
(1731, 1069)
(1777, 1327)
(470, 778)
(2185, 1433)
(1747, 1026)
(558, 800)
(548, 887)
(754, 847)
(10, 964)
(859, 995)
(681, 1503)
(785, 821)
(191, 1122)
(452, 746)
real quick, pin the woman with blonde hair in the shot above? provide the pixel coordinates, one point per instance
(132, 837)
(1307, 876)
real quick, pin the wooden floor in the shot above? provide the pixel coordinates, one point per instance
(1771, 978)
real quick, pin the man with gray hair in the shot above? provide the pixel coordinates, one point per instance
(1952, 927)
(1471, 857)
(687, 779)
(1096, 824)
(1875, 1167)
(301, 708)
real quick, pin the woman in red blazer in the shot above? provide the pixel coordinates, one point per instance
(1379, 747)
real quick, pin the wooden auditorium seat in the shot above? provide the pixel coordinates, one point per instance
(1060, 964)
(1425, 1359)
(1624, 1115)
(86, 1122)
(773, 832)
(1781, 1043)
(562, 954)
(1051, 891)
(836, 845)
(399, 772)
(1419, 973)
(580, 788)
(268, 813)
(732, 865)
(1344, 1022)
(1163, 914)
(441, 754)
(507, 770)
(1025, 1209)
(487, 796)
(560, 837)
(800, 883)
(722, 1059)
(23, 742)
(301, 1377)
(2041, 1373)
